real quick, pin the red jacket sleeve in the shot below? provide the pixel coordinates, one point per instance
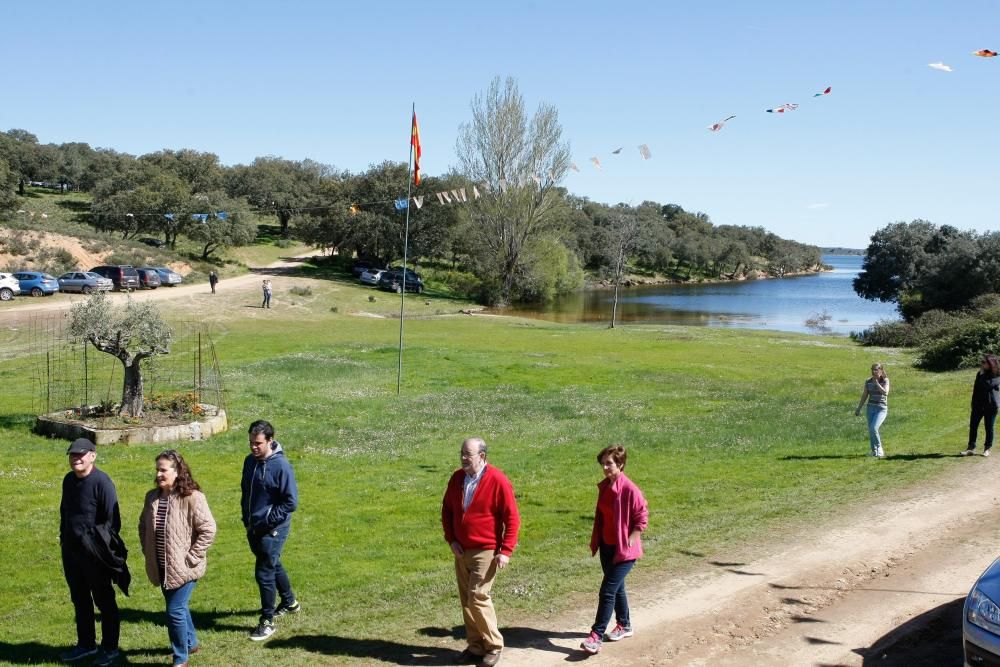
(448, 512)
(511, 519)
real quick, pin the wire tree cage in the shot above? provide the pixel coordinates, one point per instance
(73, 375)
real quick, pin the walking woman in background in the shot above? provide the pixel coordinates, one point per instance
(876, 393)
(985, 399)
(175, 530)
(619, 520)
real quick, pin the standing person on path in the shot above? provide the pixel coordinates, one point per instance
(876, 393)
(93, 554)
(619, 520)
(176, 528)
(269, 496)
(480, 520)
(267, 294)
(213, 278)
(985, 399)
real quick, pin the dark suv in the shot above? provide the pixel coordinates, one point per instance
(392, 280)
(125, 278)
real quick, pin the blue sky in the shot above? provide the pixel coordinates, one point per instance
(895, 140)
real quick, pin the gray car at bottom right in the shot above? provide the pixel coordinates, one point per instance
(981, 620)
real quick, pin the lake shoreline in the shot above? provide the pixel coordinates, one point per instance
(751, 276)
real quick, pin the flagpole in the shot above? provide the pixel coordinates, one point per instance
(406, 242)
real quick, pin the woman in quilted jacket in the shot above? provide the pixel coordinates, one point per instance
(175, 530)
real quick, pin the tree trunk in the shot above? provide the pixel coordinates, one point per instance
(132, 390)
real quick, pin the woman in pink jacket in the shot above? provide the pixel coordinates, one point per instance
(175, 530)
(620, 518)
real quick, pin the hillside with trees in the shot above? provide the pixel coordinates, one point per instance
(526, 239)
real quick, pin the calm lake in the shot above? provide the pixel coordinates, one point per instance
(782, 304)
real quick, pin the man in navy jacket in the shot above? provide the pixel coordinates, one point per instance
(268, 498)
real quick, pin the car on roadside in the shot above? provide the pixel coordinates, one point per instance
(168, 277)
(393, 280)
(148, 278)
(124, 277)
(85, 282)
(37, 283)
(981, 619)
(9, 287)
(371, 276)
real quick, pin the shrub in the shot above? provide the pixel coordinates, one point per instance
(963, 348)
(887, 333)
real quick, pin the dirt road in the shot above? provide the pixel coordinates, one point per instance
(880, 586)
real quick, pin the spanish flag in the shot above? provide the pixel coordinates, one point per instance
(415, 145)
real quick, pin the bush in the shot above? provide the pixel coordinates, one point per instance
(963, 348)
(887, 333)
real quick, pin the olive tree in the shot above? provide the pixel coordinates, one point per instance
(130, 333)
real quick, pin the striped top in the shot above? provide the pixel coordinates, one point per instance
(876, 393)
(161, 535)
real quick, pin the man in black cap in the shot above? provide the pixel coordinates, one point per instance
(92, 553)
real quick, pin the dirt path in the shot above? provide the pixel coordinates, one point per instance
(880, 586)
(30, 305)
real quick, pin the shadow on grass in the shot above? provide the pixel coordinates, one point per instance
(203, 620)
(380, 650)
(890, 457)
(928, 640)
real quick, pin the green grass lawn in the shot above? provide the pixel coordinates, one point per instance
(734, 436)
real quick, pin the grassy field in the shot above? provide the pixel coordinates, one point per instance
(734, 436)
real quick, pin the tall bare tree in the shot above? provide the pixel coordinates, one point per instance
(624, 235)
(521, 161)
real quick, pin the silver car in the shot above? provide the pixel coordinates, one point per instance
(371, 276)
(168, 277)
(84, 281)
(981, 619)
(9, 287)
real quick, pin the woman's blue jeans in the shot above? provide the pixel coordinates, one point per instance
(180, 627)
(876, 415)
(612, 597)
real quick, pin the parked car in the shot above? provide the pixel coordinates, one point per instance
(124, 277)
(981, 619)
(155, 243)
(9, 287)
(148, 278)
(37, 283)
(371, 276)
(392, 280)
(168, 277)
(84, 281)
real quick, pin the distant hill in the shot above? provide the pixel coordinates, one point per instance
(842, 251)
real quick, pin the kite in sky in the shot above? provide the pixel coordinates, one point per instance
(597, 163)
(825, 92)
(718, 126)
(941, 67)
(783, 108)
(985, 53)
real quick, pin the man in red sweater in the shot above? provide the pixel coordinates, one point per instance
(480, 520)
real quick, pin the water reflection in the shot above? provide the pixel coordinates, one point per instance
(783, 304)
